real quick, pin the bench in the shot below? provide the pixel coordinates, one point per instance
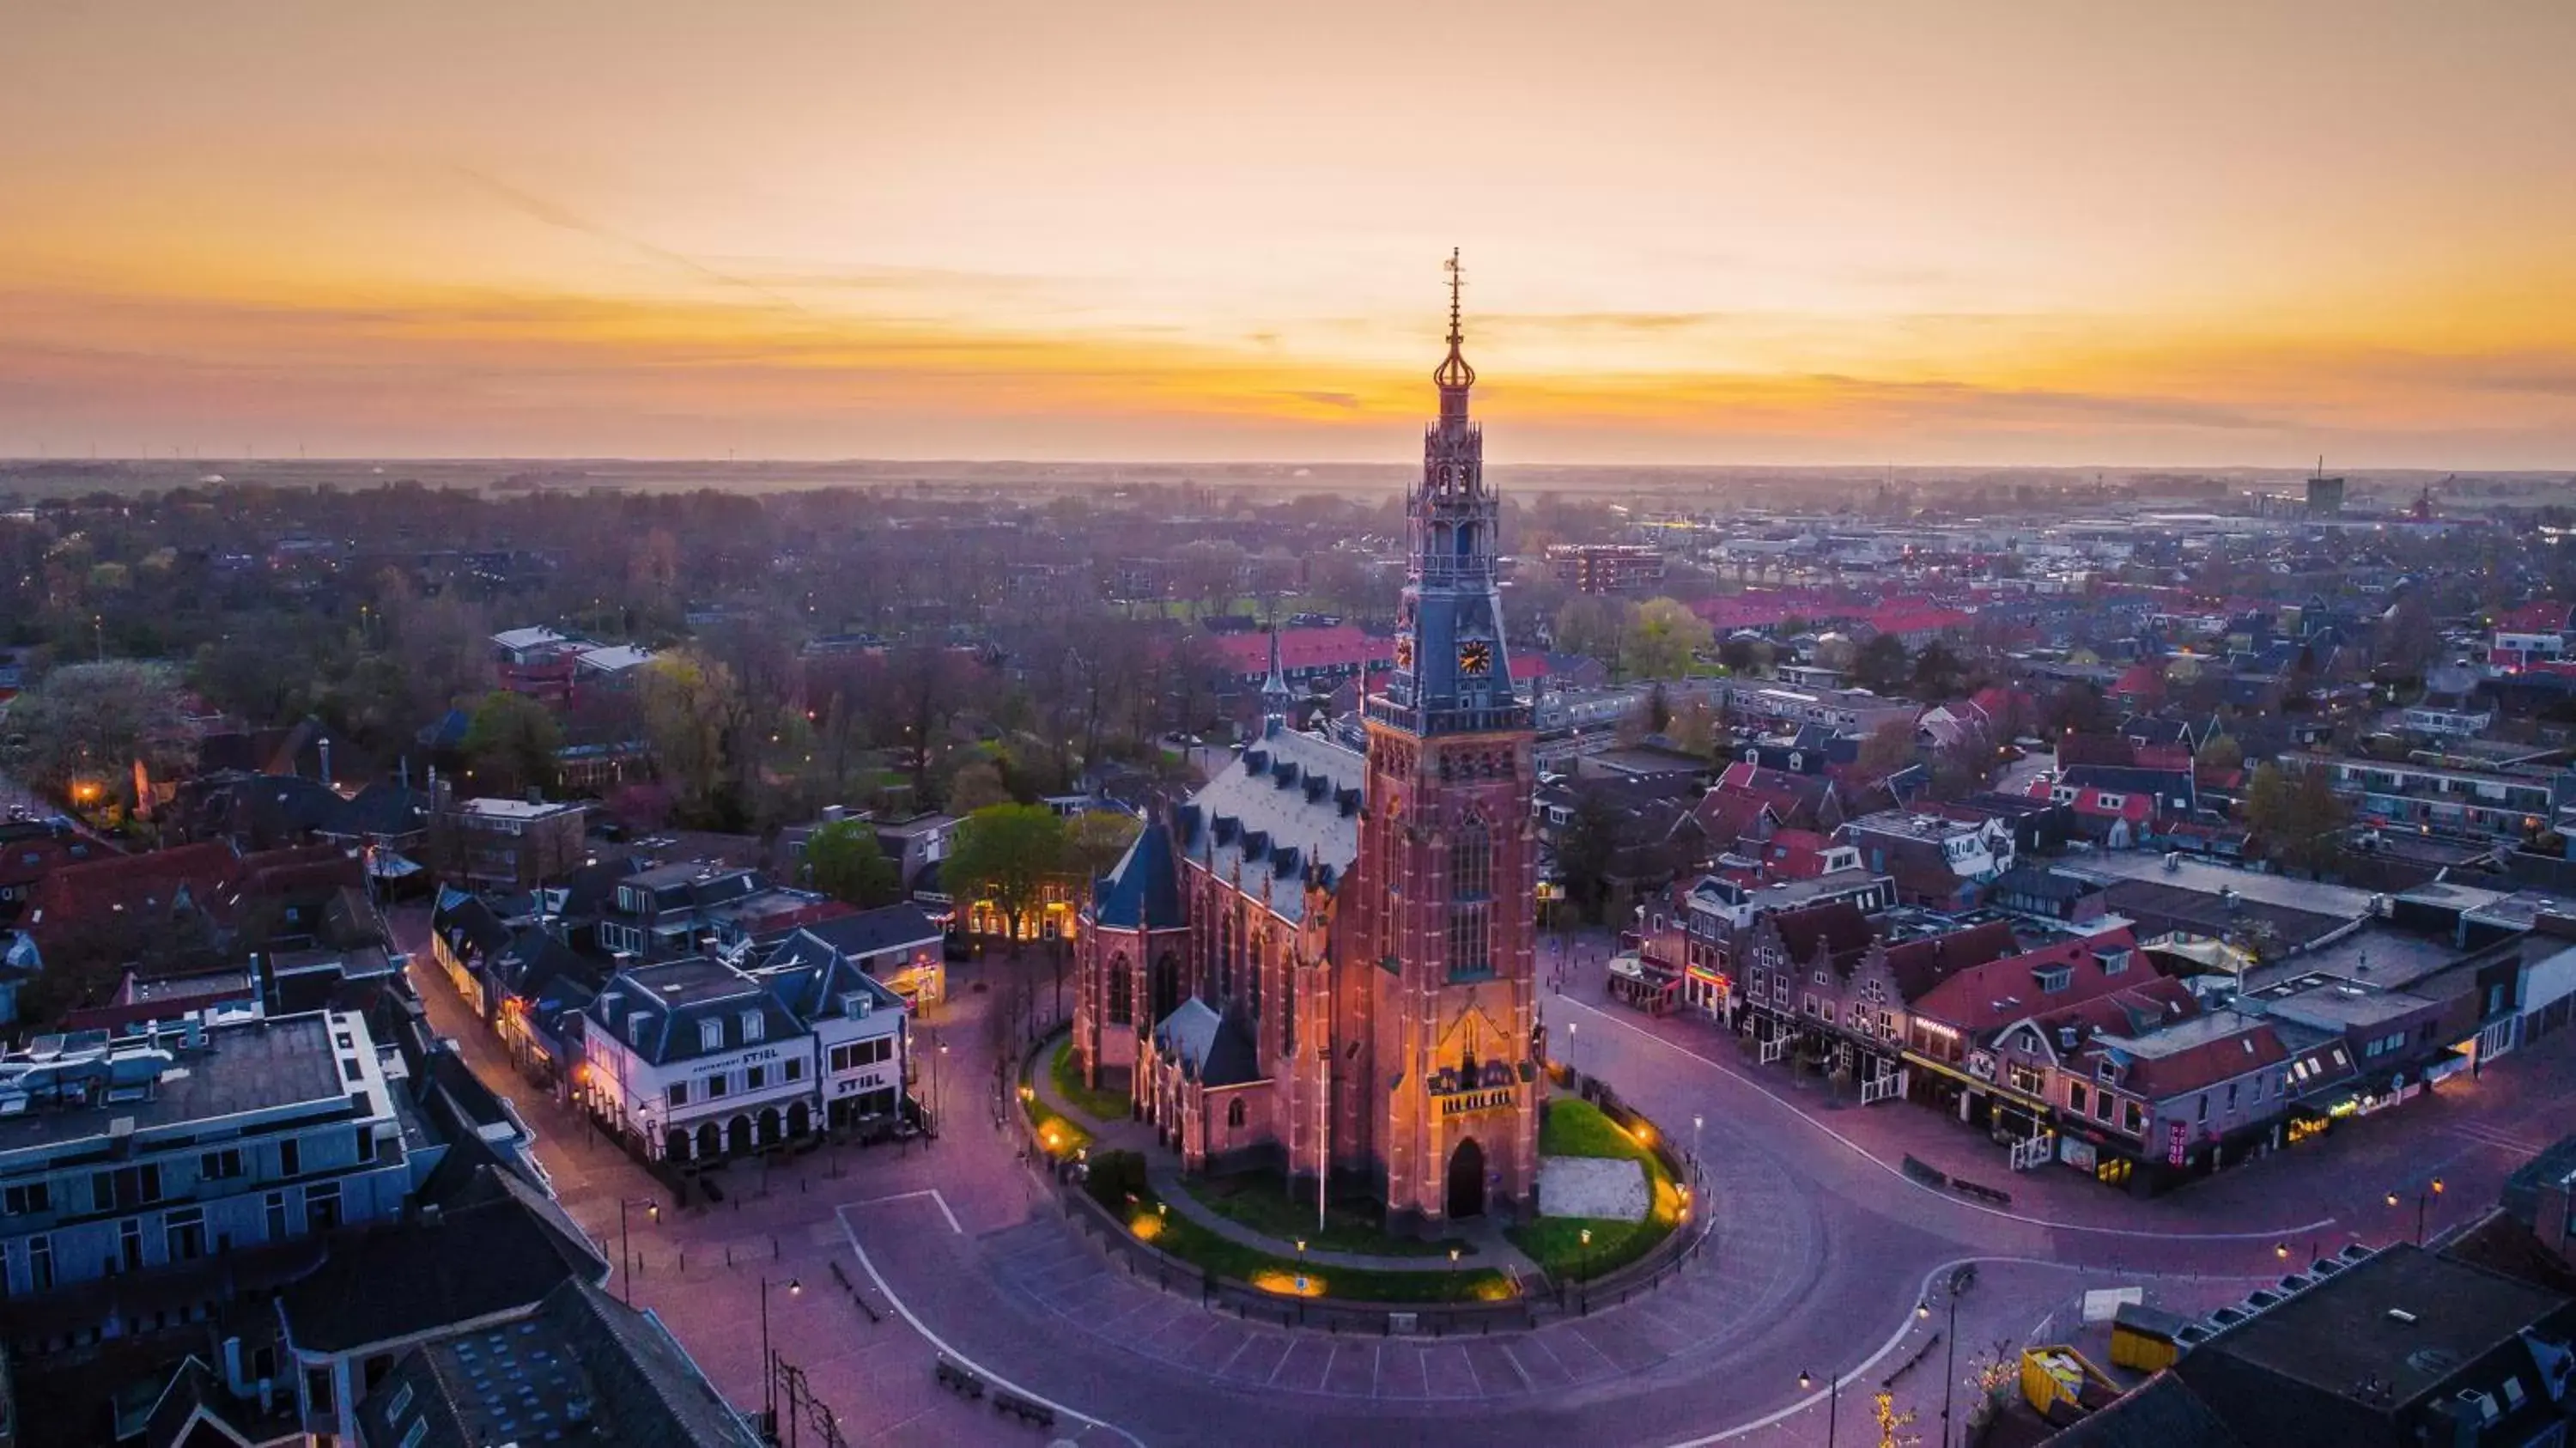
(958, 1379)
(1027, 1410)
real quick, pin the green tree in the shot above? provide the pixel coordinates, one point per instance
(844, 861)
(2221, 752)
(1593, 626)
(512, 742)
(81, 730)
(694, 714)
(1663, 639)
(1006, 855)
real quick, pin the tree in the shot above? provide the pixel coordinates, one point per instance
(1939, 673)
(1588, 851)
(1694, 727)
(1745, 656)
(1889, 747)
(1881, 664)
(512, 743)
(693, 715)
(2296, 817)
(2406, 641)
(1005, 855)
(2076, 708)
(83, 728)
(1592, 626)
(2222, 752)
(1663, 639)
(977, 783)
(844, 861)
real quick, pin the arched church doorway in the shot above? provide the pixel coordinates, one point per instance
(1467, 1180)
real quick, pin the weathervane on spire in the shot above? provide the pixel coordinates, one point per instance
(1454, 374)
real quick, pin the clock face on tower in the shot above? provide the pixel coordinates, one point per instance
(1475, 656)
(1404, 653)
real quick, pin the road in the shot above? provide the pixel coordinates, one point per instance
(1823, 1249)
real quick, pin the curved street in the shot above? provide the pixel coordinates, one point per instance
(1822, 1250)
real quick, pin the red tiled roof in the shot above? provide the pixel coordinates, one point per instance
(1920, 964)
(1837, 925)
(1340, 646)
(83, 892)
(2001, 988)
(2146, 681)
(2196, 1068)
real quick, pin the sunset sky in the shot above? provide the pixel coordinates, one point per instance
(1799, 231)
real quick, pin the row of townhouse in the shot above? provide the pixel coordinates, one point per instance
(2510, 804)
(2078, 1049)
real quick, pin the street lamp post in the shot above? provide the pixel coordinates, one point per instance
(1571, 1027)
(1586, 1239)
(1696, 1122)
(1833, 1402)
(625, 1254)
(769, 1362)
(2423, 1199)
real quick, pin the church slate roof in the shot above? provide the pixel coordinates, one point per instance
(1213, 1048)
(1142, 892)
(1287, 803)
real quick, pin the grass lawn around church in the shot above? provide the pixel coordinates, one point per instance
(1258, 1200)
(1180, 1237)
(1100, 1103)
(1575, 1127)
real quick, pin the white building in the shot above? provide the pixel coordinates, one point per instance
(694, 1059)
(862, 1033)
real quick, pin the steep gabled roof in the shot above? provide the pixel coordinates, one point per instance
(1142, 891)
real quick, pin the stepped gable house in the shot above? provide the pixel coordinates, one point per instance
(1324, 959)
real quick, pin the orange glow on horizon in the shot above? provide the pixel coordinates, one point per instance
(1705, 232)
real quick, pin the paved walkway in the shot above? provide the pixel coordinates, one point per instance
(1493, 1251)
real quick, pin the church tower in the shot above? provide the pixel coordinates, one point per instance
(1443, 939)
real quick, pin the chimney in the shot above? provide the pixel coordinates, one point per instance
(833, 814)
(326, 760)
(536, 795)
(429, 1214)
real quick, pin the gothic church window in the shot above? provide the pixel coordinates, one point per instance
(1122, 992)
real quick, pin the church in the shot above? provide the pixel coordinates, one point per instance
(1323, 961)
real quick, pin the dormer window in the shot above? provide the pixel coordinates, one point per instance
(751, 1025)
(635, 1030)
(856, 1005)
(710, 1035)
(2054, 978)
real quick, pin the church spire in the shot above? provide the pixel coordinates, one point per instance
(1275, 698)
(1453, 373)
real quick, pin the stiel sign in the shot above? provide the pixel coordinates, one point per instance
(2177, 1136)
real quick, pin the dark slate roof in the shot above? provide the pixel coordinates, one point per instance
(499, 1246)
(1288, 803)
(1215, 1049)
(387, 809)
(674, 997)
(873, 932)
(460, 915)
(583, 1368)
(1143, 891)
(2162, 1412)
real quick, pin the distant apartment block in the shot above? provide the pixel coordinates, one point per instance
(1606, 567)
